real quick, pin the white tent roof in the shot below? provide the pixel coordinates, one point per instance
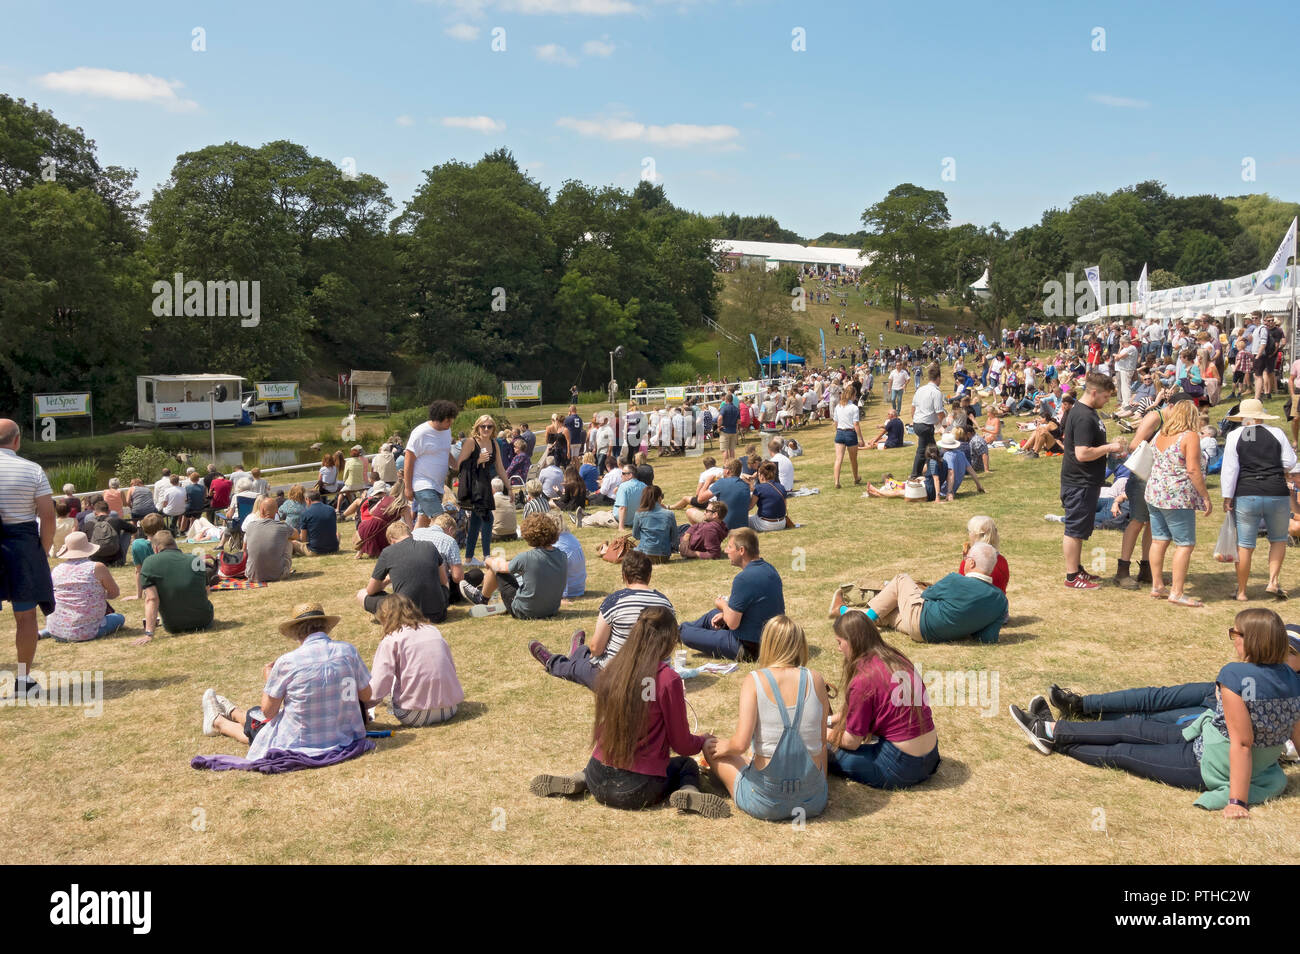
(789, 252)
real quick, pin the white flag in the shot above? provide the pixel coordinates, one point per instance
(1270, 279)
(1144, 289)
(1094, 280)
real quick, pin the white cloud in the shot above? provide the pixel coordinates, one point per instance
(554, 53)
(601, 47)
(1123, 102)
(405, 120)
(483, 124)
(462, 31)
(594, 8)
(675, 134)
(115, 84)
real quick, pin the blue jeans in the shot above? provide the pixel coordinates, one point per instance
(576, 668)
(883, 765)
(1142, 747)
(109, 624)
(480, 526)
(1275, 512)
(702, 636)
(896, 401)
(1160, 704)
(622, 788)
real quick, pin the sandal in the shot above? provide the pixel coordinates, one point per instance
(1187, 601)
(1279, 594)
(1160, 594)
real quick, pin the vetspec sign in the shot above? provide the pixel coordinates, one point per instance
(61, 405)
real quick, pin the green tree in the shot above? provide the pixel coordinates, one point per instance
(1204, 258)
(905, 238)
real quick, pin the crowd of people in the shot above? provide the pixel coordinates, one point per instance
(428, 511)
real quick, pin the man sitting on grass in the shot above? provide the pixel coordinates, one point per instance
(175, 589)
(957, 607)
(319, 526)
(416, 570)
(531, 585)
(735, 626)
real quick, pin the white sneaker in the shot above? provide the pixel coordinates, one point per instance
(210, 711)
(1290, 755)
(224, 705)
(480, 610)
(1053, 518)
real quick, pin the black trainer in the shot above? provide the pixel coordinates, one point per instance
(1039, 709)
(1034, 728)
(1068, 703)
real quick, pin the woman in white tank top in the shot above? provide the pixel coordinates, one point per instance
(783, 654)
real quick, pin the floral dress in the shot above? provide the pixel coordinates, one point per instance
(1169, 487)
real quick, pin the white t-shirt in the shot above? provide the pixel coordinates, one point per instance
(784, 471)
(898, 379)
(846, 415)
(927, 405)
(711, 474)
(173, 501)
(431, 448)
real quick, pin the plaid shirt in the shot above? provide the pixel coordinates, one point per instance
(319, 682)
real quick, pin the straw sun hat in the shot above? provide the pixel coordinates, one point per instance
(306, 612)
(76, 545)
(1250, 408)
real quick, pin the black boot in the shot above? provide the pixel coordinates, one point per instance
(1122, 577)
(1144, 571)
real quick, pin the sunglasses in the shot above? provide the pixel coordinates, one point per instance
(1233, 633)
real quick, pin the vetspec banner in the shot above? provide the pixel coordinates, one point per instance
(61, 405)
(277, 390)
(523, 390)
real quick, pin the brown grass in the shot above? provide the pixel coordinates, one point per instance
(119, 788)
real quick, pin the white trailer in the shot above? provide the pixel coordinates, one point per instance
(181, 400)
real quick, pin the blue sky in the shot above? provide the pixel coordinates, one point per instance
(733, 118)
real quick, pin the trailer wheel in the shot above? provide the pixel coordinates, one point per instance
(194, 425)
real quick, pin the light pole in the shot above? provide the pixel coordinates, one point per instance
(718, 354)
(618, 352)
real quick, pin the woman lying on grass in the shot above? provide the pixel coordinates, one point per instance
(1229, 752)
(787, 775)
(640, 716)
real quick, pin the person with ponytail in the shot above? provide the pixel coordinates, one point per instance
(640, 717)
(884, 736)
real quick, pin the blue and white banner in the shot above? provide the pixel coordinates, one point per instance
(822, 332)
(1093, 272)
(757, 356)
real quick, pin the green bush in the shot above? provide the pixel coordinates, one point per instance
(465, 421)
(146, 462)
(592, 397)
(678, 372)
(82, 474)
(480, 401)
(453, 381)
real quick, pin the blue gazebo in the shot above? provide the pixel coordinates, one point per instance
(780, 357)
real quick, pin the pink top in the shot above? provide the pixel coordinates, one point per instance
(416, 667)
(666, 727)
(79, 602)
(888, 705)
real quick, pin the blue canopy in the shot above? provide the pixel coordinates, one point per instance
(781, 356)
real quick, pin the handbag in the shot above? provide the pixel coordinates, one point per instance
(1140, 459)
(613, 551)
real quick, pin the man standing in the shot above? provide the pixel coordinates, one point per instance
(1126, 362)
(897, 384)
(735, 626)
(728, 422)
(427, 459)
(25, 497)
(573, 422)
(927, 411)
(1083, 471)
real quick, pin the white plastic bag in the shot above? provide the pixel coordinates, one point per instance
(1225, 551)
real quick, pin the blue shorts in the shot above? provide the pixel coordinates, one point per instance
(1136, 491)
(22, 606)
(1275, 512)
(429, 502)
(846, 436)
(1176, 525)
(751, 800)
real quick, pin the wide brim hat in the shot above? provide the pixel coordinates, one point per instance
(76, 545)
(1251, 408)
(948, 442)
(308, 612)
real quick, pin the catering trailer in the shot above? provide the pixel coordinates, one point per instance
(181, 400)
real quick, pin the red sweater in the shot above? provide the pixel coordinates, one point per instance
(666, 727)
(1001, 573)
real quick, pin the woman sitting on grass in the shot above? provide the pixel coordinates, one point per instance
(413, 663)
(376, 516)
(635, 730)
(1230, 752)
(292, 508)
(783, 718)
(982, 529)
(884, 736)
(654, 526)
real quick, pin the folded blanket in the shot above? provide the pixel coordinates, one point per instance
(280, 760)
(234, 585)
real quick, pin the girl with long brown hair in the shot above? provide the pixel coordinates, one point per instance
(884, 736)
(640, 716)
(413, 665)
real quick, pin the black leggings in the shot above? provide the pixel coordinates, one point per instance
(621, 788)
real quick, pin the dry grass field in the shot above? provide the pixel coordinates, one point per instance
(118, 788)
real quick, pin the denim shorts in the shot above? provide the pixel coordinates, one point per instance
(846, 436)
(751, 799)
(1176, 525)
(429, 502)
(1136, 491)
(1275, 512)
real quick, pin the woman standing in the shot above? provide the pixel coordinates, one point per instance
(1256, 461)
(1175, 491)
(784, 700)
(557, 440)
(479, 462)
(848, 432)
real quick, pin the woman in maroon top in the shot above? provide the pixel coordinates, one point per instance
(640, 717)
(884, 736)
(372, 530)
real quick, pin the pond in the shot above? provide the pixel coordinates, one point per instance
(226, 461)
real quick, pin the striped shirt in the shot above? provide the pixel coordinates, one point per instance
(621, 609)
(21, 482)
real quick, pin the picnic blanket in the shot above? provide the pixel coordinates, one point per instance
(277, 761)
(713, 669)
(234, 585)
(804, 492)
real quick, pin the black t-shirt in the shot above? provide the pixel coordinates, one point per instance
(1272, 342)
(1083, 428)
(412, 567)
